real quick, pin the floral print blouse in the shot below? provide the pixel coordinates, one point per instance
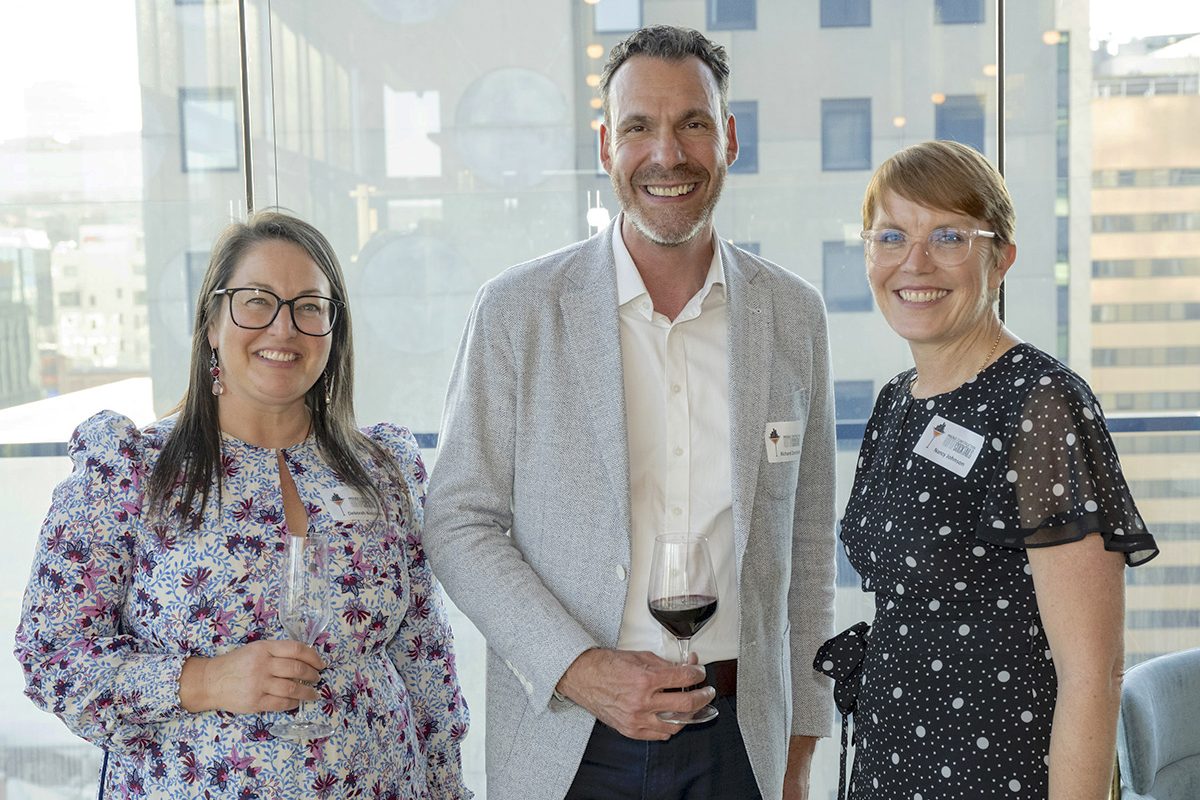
(117, 601)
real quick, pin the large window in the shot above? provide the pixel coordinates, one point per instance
(127, 142)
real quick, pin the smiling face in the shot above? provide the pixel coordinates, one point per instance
(666, 146)
(926, 304)
(270, 370)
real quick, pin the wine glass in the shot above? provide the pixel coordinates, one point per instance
(682, 597)
(305, 609)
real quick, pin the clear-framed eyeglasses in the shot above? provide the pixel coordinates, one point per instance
(946, 247)
(254, 308)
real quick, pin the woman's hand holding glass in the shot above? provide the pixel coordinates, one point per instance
(305, 609)
(266, 675)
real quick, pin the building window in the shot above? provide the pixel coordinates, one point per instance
(960, 119)
(958, 12)
(1146, 268)
(618, 16)
(1150, 401)
(732, 15)
(846, 134)
(845, 13)
(1145, 312)
(845, 277)
(746, 114)
(853, 400)
(1146, 223)
(750, 247)
(209, 132)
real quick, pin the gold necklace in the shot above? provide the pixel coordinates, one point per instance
(912, 387)
(995, 344)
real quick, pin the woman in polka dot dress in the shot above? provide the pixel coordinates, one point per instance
(993, 663)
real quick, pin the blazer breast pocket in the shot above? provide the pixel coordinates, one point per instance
(787, 414)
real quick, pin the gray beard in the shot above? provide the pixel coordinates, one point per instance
(644, 226)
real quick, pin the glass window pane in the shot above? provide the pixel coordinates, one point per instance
(745, 114)
(845, 284)
(726, 15)
(845, 13)
(618, 16)
(853, 399)
(960, 119)
(958, 12)
(846, 134)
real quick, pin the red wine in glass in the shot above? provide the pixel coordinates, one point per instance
(682, 597)
(683, 615)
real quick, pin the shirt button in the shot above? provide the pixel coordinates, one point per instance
(678, 451)
(620, 572)
(676, 388)
(677, 511)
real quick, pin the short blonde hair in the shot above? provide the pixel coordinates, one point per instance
(949, 176)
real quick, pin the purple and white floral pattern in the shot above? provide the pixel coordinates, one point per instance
(117, 600)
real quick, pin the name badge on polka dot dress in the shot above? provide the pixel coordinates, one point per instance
(949, 445)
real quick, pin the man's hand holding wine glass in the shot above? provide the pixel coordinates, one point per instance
(624, 689)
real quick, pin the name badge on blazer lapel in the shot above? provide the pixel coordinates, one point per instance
(784, 441)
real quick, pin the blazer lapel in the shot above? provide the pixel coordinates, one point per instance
(750, 337)
(589, 312)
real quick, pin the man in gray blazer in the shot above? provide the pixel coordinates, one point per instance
(650, 379)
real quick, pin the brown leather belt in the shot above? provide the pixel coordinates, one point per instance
(722, 676)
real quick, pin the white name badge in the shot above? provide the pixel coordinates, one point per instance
(345, 504)
(949, 445)
(784, 440)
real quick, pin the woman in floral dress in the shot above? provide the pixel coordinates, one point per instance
(150, 622)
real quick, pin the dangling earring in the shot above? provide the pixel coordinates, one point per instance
(328, 388)
(218, 388)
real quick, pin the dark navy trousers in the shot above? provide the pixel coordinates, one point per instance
(701, 762)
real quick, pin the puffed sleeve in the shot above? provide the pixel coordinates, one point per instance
(423, 648)
(1059, 479)
(109, 687)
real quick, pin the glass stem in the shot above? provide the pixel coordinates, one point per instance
(685, 650)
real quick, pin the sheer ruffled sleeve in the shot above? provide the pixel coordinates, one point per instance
(1059, 478)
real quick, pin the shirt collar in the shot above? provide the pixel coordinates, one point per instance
(629, 281)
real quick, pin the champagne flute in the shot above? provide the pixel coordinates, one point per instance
(682, 597)
(305, 609)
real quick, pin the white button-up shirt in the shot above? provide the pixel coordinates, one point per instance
(677, 416)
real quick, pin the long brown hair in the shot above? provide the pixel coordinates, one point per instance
(191, 455)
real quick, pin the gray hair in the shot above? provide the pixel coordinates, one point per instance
(670, 44)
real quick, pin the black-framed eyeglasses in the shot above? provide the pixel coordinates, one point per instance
(946, 247)
(254, 308)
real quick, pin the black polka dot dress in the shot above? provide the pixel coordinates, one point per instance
(958, 683)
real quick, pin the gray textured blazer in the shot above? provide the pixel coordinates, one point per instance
(528, 521)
